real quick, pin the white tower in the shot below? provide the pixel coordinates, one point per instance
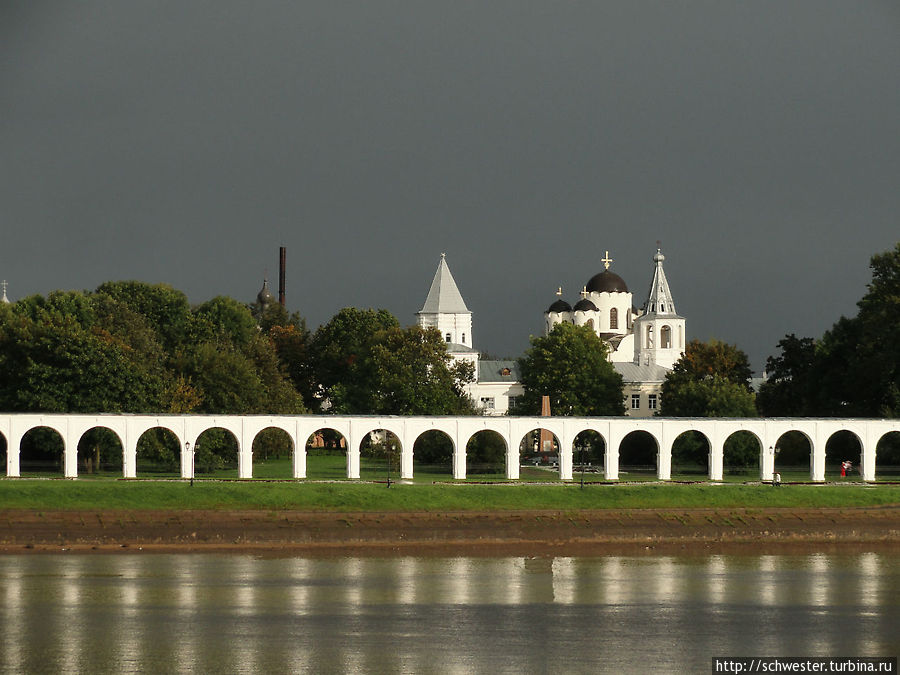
(659, 333)
(4, 299)
(445, 309)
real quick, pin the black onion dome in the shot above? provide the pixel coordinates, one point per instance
(560, 306)
(265, 297)
(606, 282)
(585, 305)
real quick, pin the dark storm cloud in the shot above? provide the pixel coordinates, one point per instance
(184, 142)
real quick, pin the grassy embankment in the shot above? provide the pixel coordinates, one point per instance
(111, 495)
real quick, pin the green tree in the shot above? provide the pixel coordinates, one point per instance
(788, 391)
(166, 310)
(705, 359)
(339, 354)
(570, 366)
(413, 374)
(224, 318)
(55, 365)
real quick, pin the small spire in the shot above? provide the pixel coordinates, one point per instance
(4, 299)
(443, 256)
(606, 261)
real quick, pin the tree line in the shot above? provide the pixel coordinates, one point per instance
(134, 347)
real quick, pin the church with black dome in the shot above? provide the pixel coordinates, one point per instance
(644, 343)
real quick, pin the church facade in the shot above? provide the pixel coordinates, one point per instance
(644, 343)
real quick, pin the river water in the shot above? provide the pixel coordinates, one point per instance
(232, 613)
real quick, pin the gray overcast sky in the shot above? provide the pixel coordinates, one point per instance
(185, 142)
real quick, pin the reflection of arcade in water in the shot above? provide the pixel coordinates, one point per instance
(234, 613)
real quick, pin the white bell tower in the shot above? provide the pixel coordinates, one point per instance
(659, 333)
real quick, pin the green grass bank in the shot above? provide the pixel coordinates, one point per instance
(143, 495)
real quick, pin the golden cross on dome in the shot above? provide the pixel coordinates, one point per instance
(559, 291)
(606, 260)
(584, 292)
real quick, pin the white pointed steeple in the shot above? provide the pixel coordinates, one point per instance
(444, 296)
(659, 299)
(4, 299)
(445, 308)
(659, 333)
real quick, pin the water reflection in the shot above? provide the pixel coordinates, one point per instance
(136, 612)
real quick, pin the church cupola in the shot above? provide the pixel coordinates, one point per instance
(659, 333)
(445, 308)
(265, 297)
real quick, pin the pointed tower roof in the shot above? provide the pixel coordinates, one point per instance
(444, 296)
(659, 300)
(4, 299)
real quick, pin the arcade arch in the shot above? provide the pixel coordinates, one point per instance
(486, 455)
(100, 452)
(273, 451)
(793, 456)
(379, 455)
(539, 455)
(887, 457)
(41, 452)
(690, 455)
(589, 453)
(326, 455)
(158, 453)
(216, 454)
(843, 446)
(433, 455)
(741, 455)
(638, 454)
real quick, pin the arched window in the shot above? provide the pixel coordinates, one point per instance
(590, 324)
(463, 338)
(448, 337)
(649, 342)
(665, 337)
(613, 318)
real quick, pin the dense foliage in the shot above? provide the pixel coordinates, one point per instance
(854, 369)
(570, 366)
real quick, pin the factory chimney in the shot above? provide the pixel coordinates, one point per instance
(282, 254)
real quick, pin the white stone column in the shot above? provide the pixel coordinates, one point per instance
(767, 458)
(566, 456)
(187, 461)
(70, 452)
(13, 450)
(299, 460)
(459, 459)
(406, 460)
(129, 458)
(245, 460)
(512, 459)
(716, 457)
(664, 458)
(817, 458)
(352, 457)
(868, 460)
(611, 456)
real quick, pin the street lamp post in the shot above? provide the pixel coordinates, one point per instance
(390, 450)
(582, 448)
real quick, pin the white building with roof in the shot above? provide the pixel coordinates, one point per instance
(496, 382)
